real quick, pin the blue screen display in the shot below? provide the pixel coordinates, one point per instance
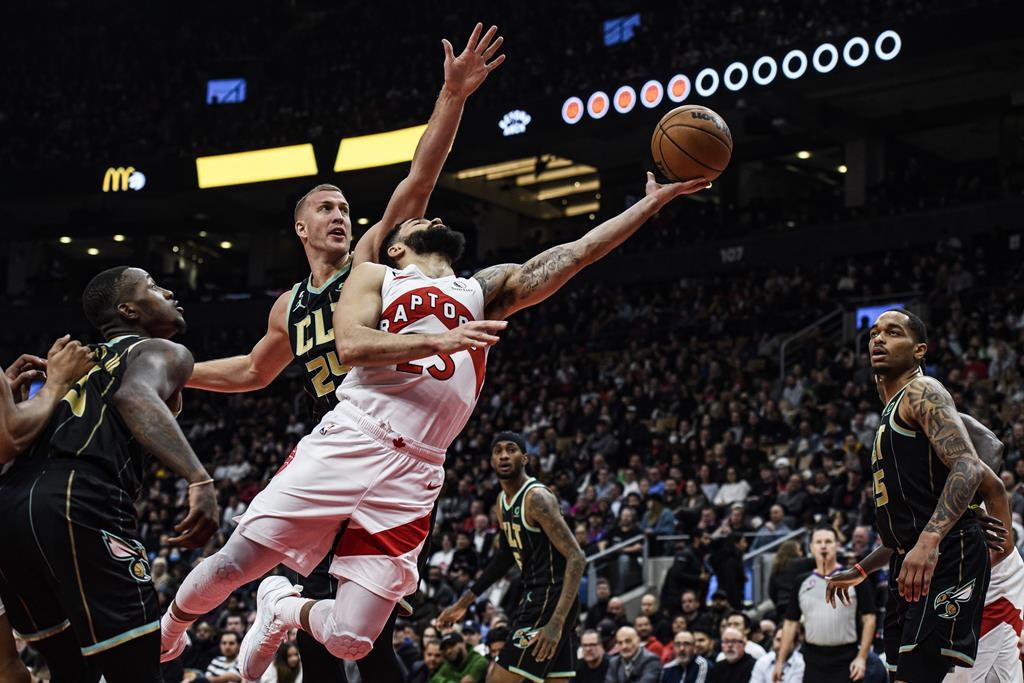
(620, 29)
(225, 91)
(870, 313)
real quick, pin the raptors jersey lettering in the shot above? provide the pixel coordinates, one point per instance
(430, 399)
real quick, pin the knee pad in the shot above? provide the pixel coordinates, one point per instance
(349, 646)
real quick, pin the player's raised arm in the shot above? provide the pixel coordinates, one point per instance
(254, 370)
(462, 76)
(361, 343)
(22, 420)
(158, 371)
(930, 406)
(511, 287)
(541, 506)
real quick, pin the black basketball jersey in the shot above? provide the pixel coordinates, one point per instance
(908, 479)
(539, 562)
(86, 426)
(311, 331)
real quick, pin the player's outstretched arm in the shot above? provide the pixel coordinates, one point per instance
(840, 583)
(256, 369)
(510, 287)
(495, 569)
(462, 76)
(542, 507)
(931, 407)
(21, 421)
(158, 371)
(360, 343)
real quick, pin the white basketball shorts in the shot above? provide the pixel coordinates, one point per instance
(352, 468)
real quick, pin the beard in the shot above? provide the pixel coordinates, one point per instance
(439, 239)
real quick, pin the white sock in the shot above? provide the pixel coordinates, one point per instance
(171, 627)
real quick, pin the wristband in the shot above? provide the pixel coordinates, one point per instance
(861, 570)
(210, 481)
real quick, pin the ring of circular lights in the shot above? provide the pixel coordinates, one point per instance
(670, 90)
(657, 100)
(593, 99)
(865, 50)
(789, 72)
(579, 110)
(897, 45)
(755, 73)
(632, 99)
(823, 49)
(732, 69)
(699, 83)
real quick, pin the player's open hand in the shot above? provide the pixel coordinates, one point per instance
(472, 335)
(915, 577)
(545, 643)
(840, 584)
(670, 191)
(67, 361)
(448, 616)
(22, 373)
(995, 535)
(202, 519)
(464, 74)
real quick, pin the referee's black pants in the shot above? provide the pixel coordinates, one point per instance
(828, 663)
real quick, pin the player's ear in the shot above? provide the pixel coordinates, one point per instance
(300, 230)
(396, 251)
(919, 351)
(127, 311)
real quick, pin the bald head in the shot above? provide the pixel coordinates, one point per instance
(628, 641)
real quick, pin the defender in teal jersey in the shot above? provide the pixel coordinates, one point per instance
(926, 474)
(534, 538)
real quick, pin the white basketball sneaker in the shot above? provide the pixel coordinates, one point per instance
(261, 642)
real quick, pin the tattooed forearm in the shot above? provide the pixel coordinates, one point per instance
(492, 279)
(932, 408)
(553, 264)
(543, 509)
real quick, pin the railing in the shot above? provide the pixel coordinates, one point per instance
(833, 319)
(613, 550)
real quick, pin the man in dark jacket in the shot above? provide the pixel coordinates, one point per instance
(726, 560)
(738, 665)
(634, 663)
(688, 666)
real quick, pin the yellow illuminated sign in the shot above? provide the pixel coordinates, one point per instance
(256, 166)
(123, 178)
(380, 149)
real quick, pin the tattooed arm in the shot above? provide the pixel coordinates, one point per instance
(511, 287)
(541, 507)
(930, 406)
(157, 372)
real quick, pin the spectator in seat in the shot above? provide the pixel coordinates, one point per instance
(634, 664)
(737, 666)
(593, 665)
(461, 665)
(687, 666)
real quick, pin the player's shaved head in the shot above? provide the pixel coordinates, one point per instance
(322, 187)
(102, 294)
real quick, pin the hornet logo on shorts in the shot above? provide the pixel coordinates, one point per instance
(947, 603)
(131, 552)
(522, 637)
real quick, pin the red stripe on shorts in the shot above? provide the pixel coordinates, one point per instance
(1000, 611)
(391, 542)
(291, 456)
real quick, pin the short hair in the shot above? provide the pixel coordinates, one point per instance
(825, 527)
(918, 330)
(319, 188)
(229, 633)
(99, 299)
(747, 624)
(389, 238)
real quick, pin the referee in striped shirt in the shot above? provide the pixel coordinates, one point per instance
(832, 652)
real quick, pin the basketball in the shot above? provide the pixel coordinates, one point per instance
(690, 142)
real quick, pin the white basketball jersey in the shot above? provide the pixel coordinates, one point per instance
(430, 399)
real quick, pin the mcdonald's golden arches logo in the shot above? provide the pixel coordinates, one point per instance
(122, 179)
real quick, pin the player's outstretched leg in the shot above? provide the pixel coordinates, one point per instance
(347, 626)
(209, 584)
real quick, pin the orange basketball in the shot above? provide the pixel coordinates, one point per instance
(691, 141)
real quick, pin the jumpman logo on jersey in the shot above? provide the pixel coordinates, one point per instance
(300, 301)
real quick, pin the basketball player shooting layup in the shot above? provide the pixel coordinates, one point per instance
(416, 337)
(536, 539)
(300, 326)
(926, 473)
